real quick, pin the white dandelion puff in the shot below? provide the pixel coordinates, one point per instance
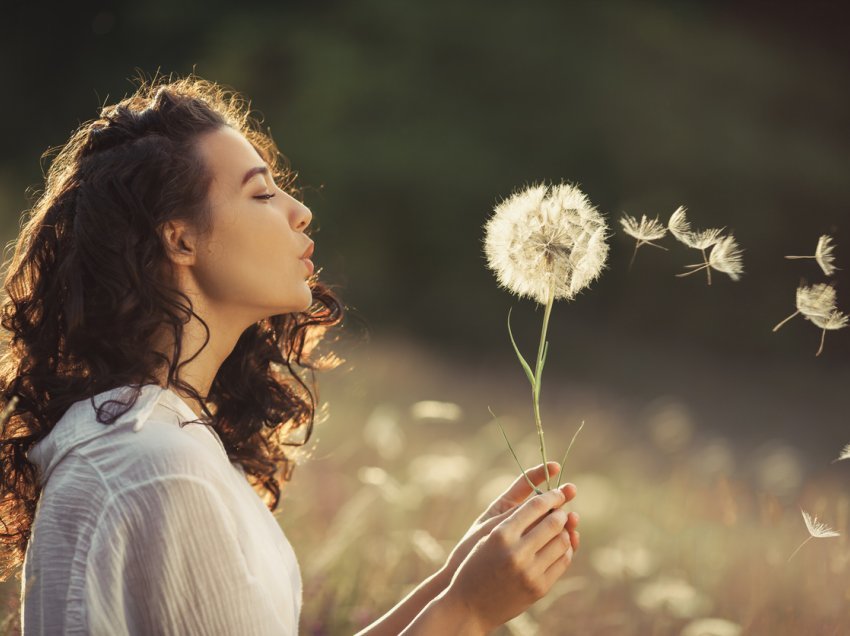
(725, 256)
(645, 231)
(823, 255)
(845, 454)
(834, 320)
(544, 234)
(813, 300)
(817, 530)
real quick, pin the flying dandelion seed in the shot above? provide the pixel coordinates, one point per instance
(823, 255)
(701, 240)
(645, 231)
(813, 300)
(817, 530)
(678, 225)
(546, 243)
(725, 256)
(845, 454)
(835, 320)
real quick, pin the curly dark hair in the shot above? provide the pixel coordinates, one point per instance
(89, 286)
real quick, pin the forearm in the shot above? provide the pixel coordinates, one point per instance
(445, 615)
(403, 614)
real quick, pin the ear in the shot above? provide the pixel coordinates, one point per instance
(179, 241)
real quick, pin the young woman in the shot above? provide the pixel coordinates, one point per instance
(159, 297)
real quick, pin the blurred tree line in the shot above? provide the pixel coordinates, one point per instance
(409, 121)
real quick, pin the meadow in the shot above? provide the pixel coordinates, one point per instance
(686, 529)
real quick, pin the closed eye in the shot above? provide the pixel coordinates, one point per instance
(264, 196)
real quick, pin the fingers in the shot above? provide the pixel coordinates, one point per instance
(558, 546)
(569, 489)
(572, 529)
(533, 509)
(557, 568)
(548, 528)
(519, 490)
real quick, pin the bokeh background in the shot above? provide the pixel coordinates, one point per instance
(705, 432)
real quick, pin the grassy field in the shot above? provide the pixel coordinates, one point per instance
(686, 529)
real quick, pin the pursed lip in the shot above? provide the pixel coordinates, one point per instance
(309, 251)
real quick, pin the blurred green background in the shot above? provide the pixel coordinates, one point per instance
(409, 121)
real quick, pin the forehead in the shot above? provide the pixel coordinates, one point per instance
(228, 155)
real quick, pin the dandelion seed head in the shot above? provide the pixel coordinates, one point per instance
(543, 234)
(832, 321)
(816, 528)
(725, 257)
(816, 300)
(703, 239)
(643, 230)
(678, 224)
(681, 229)
(845, 454)
(824, 255)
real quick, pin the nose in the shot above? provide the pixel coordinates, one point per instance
(303, 217)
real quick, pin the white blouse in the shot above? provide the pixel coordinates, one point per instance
(146, 527)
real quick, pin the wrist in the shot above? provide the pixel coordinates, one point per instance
(461, 614)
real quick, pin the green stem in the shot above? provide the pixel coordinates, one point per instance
(538, 375)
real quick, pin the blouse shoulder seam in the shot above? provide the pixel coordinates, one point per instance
(110, 501)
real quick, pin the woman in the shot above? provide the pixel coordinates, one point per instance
(159, 295)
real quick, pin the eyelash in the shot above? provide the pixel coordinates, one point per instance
(264, 196)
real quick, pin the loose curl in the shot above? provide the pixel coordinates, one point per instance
(90, 285)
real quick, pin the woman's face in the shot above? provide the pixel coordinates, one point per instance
(250, 265)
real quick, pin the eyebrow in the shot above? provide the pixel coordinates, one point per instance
(254, 171)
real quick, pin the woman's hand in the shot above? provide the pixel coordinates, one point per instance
(514, 565)
(502, 507)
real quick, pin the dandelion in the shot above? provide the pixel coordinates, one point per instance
(813, 300)
(817, 530)
(845, 454)
(645, 231)
(728, 259)
(725, 256)
(546, 243)
(835, 320)
(823, 255)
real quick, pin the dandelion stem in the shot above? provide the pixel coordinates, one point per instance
(539, 373)
(792, 257)
(631, 262)
(693, 271)
(822, 338)
(798, 547)
(563, 461)
(786, 320)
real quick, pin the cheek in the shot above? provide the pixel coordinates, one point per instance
(246, 264)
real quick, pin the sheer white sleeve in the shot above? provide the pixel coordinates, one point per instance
(166, 558)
